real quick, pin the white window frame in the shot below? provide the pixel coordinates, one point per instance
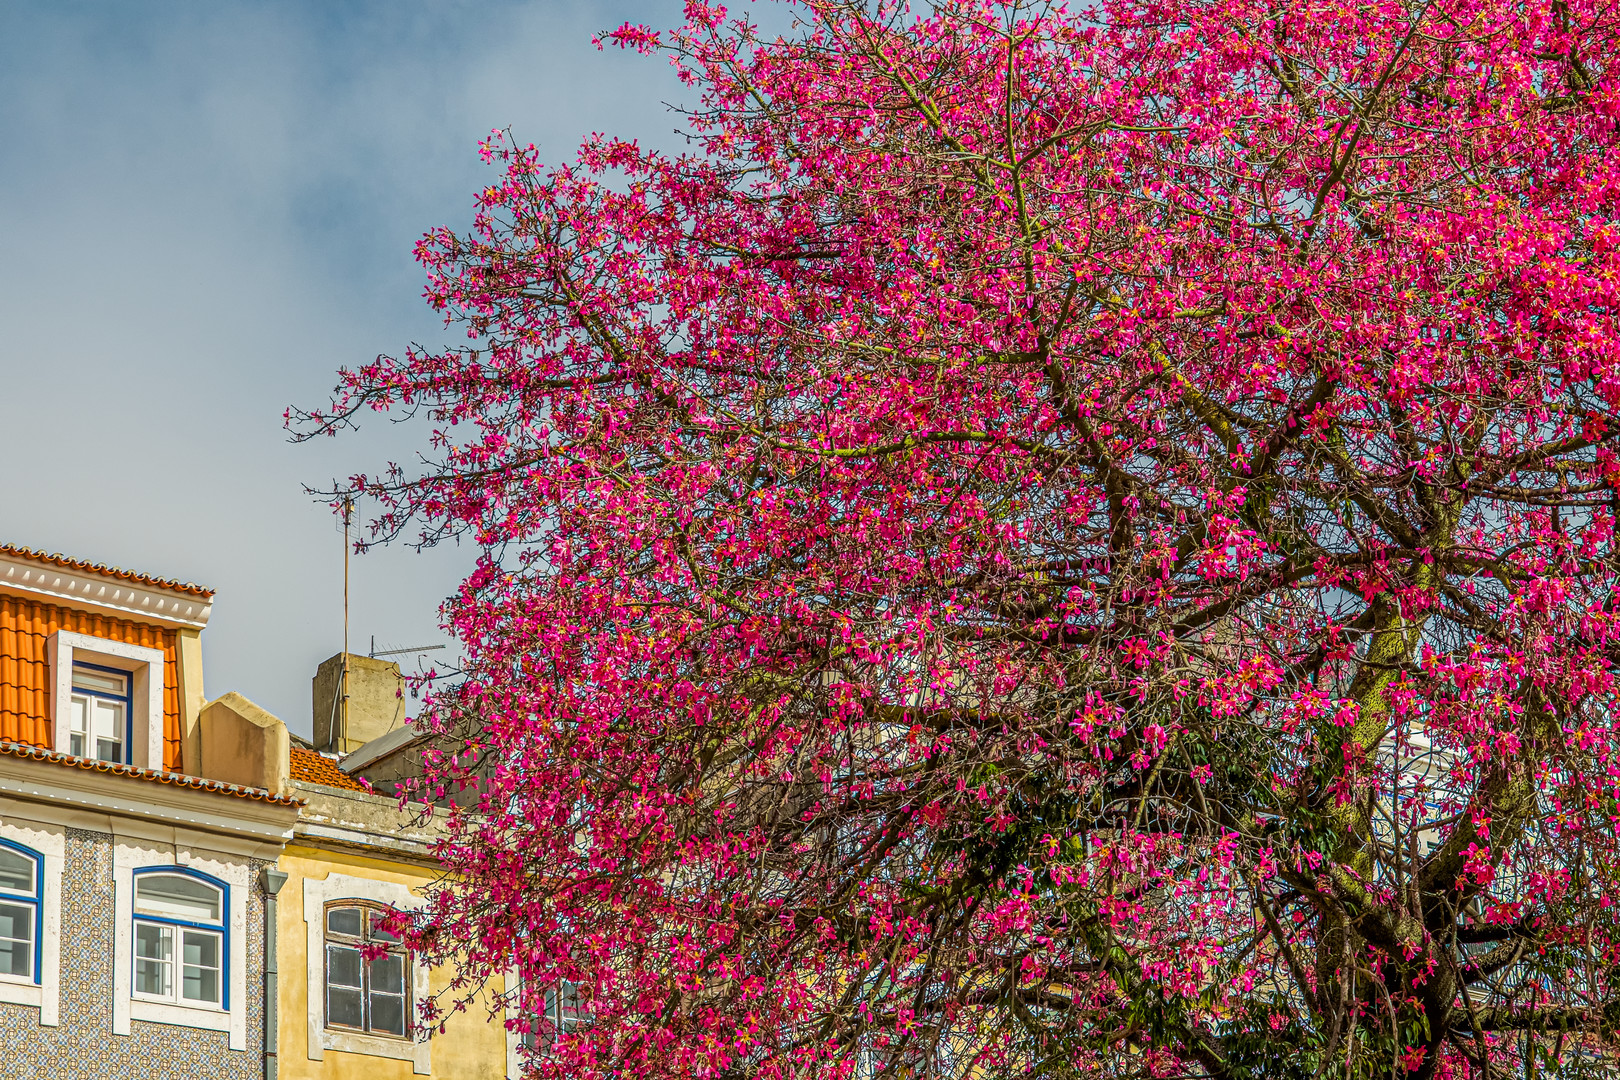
(131, 854)
(514, 1038)
(336, 887)
(145, 669)
(49, 843)
(177, 929)
(516, 1055)
(92, 697)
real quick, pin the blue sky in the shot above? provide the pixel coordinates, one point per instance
(207, 208)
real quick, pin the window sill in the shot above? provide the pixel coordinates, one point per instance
(402, 1040)
(17, 991)
(358, 1042)
(204, 1017)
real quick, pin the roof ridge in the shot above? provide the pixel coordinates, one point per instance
(67, 562)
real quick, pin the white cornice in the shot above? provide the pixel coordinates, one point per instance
(90, 591)
(360, 821)
(50, 784)
(364, 842)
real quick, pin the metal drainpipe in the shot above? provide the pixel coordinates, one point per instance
(270, 880)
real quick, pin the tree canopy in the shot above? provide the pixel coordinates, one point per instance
(1065, 541)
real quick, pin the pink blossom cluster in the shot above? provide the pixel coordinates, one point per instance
(1052, 539)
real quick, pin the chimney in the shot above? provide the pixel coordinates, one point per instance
(351, 712)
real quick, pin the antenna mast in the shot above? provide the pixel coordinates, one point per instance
(348, 512)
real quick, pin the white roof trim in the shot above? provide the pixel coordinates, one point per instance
(90, 591)
(132, 797)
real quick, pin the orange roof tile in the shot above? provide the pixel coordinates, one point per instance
(101, 568)
(56, 757)
(314, 767)
(25, 685)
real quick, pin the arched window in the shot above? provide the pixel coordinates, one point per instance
(180, 941)
(21, 884)
(372, 995)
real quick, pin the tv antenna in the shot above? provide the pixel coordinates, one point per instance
(340, 697)
(375, 655)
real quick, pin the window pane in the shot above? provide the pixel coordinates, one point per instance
(388, 1014)
(78, 725)
(16, 871)
(375, 919)
(152, 977)
(154, 946)
(16, 958)
(201, 984)
(342, 966)
(200, 970)
(104, 681)
(201, 949)
(388, 975)
(17, 922)
(16, 940)
(563, 1011)
(343, 920)
(175, 896)
(562, 1002)
(154, 942)
(108, 720)
(342, 1007)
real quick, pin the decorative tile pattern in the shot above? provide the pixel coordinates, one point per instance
(83, 1046)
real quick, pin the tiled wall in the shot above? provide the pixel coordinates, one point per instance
(83, 1046)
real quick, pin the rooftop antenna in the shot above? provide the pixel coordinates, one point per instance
(342, 694)
(375, 655)
(348, 511)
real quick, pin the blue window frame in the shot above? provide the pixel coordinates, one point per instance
(101, 715)
(22, 889)
(182, 945)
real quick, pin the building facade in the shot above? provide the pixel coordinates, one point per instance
(186, 889)
(132, 925)
(352, 857)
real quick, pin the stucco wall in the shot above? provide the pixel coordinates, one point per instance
(82, 1046)
(473, 1046)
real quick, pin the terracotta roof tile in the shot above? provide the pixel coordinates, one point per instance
(101, 568)
(26, 625)
(313, 767)
(199, 783)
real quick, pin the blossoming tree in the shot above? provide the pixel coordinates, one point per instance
(1051, 542)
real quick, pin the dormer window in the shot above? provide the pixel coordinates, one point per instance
(108, 700)
(99, 714)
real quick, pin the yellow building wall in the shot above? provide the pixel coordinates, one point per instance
(472, 1047)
